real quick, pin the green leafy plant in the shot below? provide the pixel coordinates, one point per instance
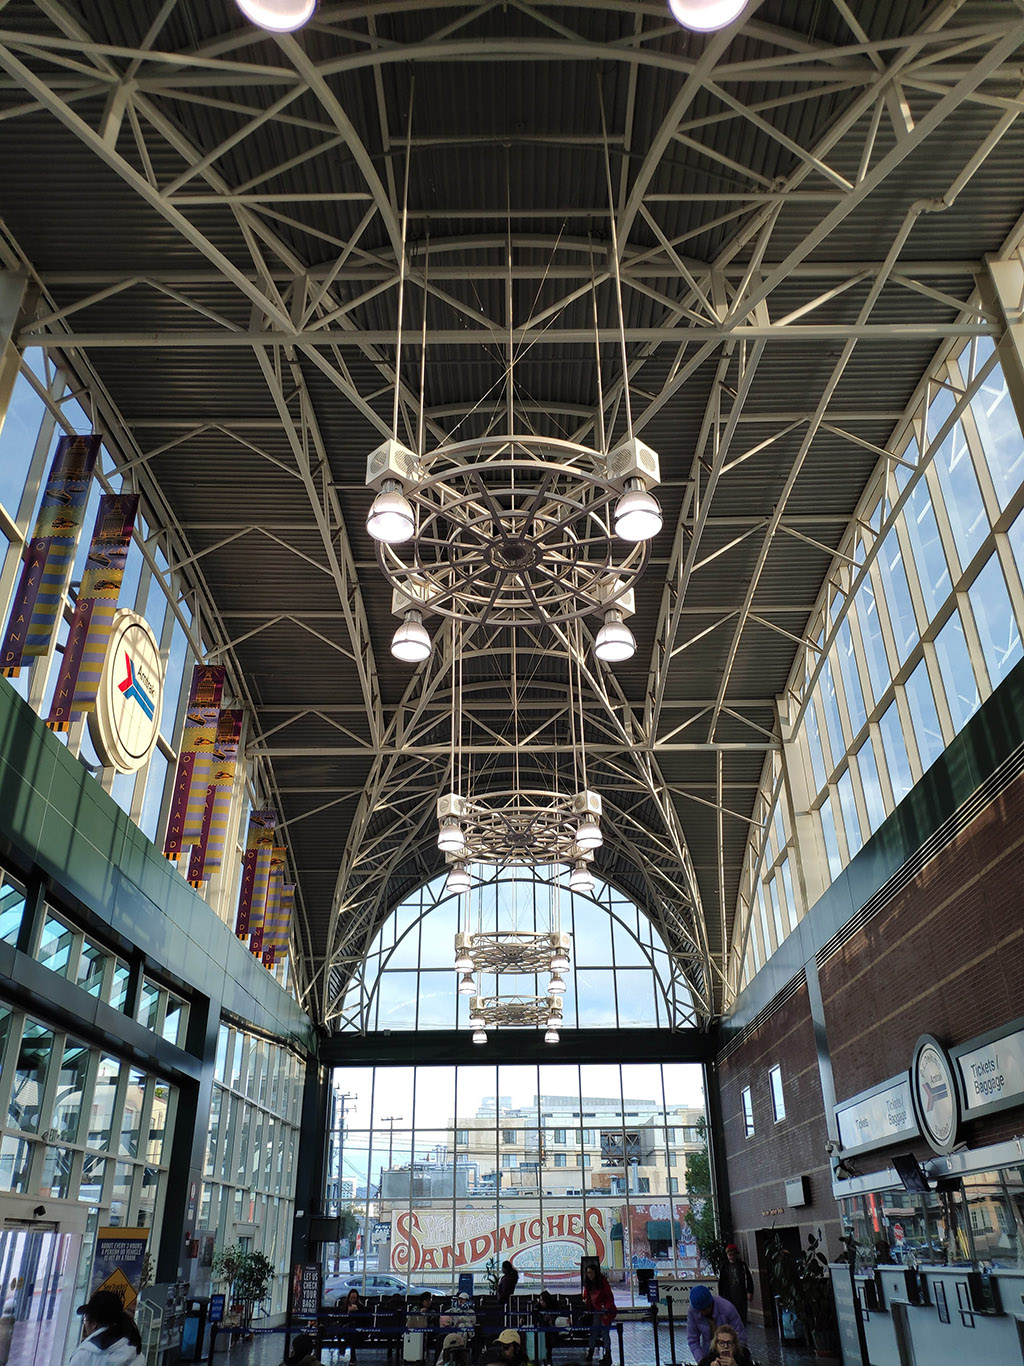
(803, 1285)
(491, 1274)
(247, 1275)
(701, 1218)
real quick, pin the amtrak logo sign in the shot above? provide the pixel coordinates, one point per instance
(126, 721)
(936, 1098)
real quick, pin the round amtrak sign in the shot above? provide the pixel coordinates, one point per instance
(933, 1083)
(126, 721)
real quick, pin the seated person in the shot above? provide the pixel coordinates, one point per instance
(506, 1350)
(302, 1353)
(707, 1313)
(454, 1351)
(726, 1350)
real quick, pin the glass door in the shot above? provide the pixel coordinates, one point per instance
(37, 1286)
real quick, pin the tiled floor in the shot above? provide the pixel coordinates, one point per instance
(638, 1349)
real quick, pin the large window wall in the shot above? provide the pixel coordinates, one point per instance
(248, 1191)
(621, 976)
(45, 405)
(918, 623)
(446, 1167)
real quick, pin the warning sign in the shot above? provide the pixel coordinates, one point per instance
(117, 1265)
(121, 1286)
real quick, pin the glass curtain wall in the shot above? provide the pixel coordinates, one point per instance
(918, 623)
(621, 975)
(248, 1191)
(446, 1170)
(42, 408)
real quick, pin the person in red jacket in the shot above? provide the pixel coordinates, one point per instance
(598, 1298)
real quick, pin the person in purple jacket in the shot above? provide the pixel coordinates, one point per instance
(708, 1312)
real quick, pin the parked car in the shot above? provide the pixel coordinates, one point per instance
(336, 1288)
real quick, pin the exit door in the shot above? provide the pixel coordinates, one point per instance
(37, 1285)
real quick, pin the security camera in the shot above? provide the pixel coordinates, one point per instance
(831, 1146)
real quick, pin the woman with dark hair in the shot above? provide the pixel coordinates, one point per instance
(507, 1285)
(598, 1298)
(355, 1310)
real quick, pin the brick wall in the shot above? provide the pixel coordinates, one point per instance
(944, 957)
(760, 1165)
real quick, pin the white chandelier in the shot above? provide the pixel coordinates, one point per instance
(518, 828)
(515, 1012)
(513, 951)
(513, 531)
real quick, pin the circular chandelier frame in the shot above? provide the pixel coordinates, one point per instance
(513, 530)
(520, 827)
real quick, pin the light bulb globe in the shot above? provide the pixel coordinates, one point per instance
(411, 643)
(467, 987)
(459, 880)
(706, 15)
(615, 642)
(391, 517)
(637, 516)
(278, 16)
(560, 962)
(479, 1036)
(588, 835)
(449, 836)
(556, 987)
(463, 963)
(551, 1036)
(581, 881)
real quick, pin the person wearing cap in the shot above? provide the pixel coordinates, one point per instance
(735, 1283)
(110, 1337)
(302, 1353)
(707, 1314)
(454, 1351)
(506, 1350)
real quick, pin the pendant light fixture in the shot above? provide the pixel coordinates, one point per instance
(278, 16)
(706, 15)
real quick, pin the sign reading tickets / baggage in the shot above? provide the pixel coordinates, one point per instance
(992, 1072)
(877, 1117)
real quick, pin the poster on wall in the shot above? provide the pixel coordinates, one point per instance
(118, 1263)
(424, 1240)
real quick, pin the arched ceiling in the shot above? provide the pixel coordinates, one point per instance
(801, 204)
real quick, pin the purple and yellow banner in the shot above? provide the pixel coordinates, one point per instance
(50, 553)
(195, 758)
(275, 935)
(93, 617)
(268, 873)
(208, 851)
(259, 845)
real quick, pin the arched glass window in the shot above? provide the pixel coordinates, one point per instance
(621, 974)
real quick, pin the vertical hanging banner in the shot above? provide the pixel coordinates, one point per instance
(258, 846)
(93, 617)
(269, 876)
(195, 758)
(208, 851)
(276, 949)
(50, 553)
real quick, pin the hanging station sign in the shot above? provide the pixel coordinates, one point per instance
(879, 1116)
(126, 721)
(991, 1070)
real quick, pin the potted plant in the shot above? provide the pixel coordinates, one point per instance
(803, 1287)
(247, 1276)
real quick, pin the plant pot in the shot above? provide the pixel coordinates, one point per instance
(825, 1342)
(792, 1328)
